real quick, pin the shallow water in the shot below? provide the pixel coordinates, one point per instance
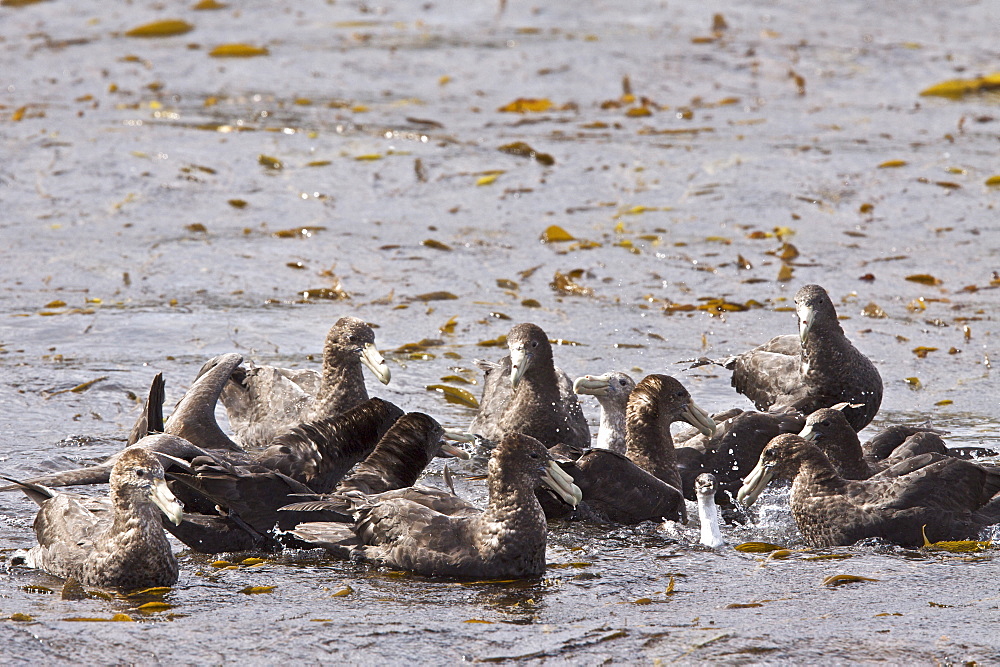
(123, 156)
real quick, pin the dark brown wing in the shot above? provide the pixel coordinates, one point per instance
(617, 490)
(769, 374)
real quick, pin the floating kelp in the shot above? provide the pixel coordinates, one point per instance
(489, 178)
(756, 547)
(257, 590)
(841, 579)
(873, 310)
(165, 28)
(335, 293)
(238, 51)
(270, 162)
(527, 105)
(449, 326)
(954, 546)
(564, 284)
(924, 279)
(521, 149)
(455, 395)
(956, 89)
(434, 296)
(556, 234)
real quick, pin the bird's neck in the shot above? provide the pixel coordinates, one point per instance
(846, 454)
(708, 515)
(650, 446)
(342, 384)
(817, 476)
(513, 520)
(139, 525)
(611, 434)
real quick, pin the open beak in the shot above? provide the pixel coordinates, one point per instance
(755, 483)
(372, 358)
(519, 362)
(561, 482)
(806, 317)
(704, 488)
(698, 418)
(167, 502)
(592, 385)
(453, 451)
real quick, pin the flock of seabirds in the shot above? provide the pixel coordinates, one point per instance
(314, 462)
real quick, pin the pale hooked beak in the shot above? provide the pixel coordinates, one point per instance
(698, 418)
(561, 482)
(592, 385)
(808, 433)
(162, 497)
(806, 317)
(755, 483)
(519, 362)
(454, 451)
(372, 358)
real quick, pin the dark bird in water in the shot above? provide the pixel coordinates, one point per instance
(435, 533)
(317, 453)
(949, 498)
(264, 402)
(114, 542)
(829, 429)
(816, 369)
(614, 490)
(732, 451)
(729, 453)
(655, 403)
(233, 495)
(398, 460)
(612, 390)
(538, 399)
(240, 506)
(644, 483)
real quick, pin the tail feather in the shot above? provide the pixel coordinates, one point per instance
(337, 538)
(36, 492)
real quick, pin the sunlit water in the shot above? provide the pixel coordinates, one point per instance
(139, 211)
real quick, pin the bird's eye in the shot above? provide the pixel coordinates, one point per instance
(680, 393)
(352, 338)
(825, 422)
(534, 343)
(622, 382)
(140, 473)
(534, 455)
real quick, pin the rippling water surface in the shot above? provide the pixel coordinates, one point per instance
(161, 206)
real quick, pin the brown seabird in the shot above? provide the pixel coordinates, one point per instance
(948, 498)
(114, 542)
(818, 368)
(265, 401)
(435, 533)
(538, 399)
